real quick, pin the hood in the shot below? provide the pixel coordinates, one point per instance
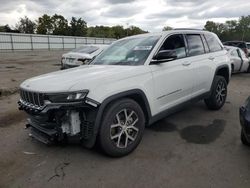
(83, 77)
(77, 55)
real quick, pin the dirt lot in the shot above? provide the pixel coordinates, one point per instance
(194, 148)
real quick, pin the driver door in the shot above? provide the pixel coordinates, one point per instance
(173, 80)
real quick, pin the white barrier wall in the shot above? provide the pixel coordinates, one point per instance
(18, 41)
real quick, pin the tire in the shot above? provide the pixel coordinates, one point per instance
(244, 139)
(119, 136)
(218, 94)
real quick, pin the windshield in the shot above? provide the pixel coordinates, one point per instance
(86, 49)
(131, 51)
(248, 46)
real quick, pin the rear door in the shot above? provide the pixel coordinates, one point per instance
(201, 63)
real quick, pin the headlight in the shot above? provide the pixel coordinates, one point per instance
(66, 97)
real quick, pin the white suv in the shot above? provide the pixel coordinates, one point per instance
(132, 84)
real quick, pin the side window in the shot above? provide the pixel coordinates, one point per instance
(175, 42)
(213, 43)
(195, 45)
(205, 43)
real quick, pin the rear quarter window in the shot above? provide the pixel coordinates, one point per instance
(213, 43)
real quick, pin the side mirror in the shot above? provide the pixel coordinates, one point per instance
(164, 56)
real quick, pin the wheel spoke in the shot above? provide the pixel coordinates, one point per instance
(126, 114)
(129, 116)
(130, 137)
(118, 119)
(115, 136)
(126, 140)
(115, 125)
(134, 128)
(119, 140)
(134, 122)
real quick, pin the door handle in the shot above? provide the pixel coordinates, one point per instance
(187, 63)
(211, 58)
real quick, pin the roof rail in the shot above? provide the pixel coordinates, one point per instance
(188, 29)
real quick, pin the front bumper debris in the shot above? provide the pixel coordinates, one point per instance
(54, 123)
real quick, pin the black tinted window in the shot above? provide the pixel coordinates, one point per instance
(213, 43)
(175, 42)
(195, 45)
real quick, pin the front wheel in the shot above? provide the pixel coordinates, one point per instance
(218, 94)
(122, 128)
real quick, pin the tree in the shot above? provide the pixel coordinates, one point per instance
(167, 28)
(78, 27)
(100, 31)
(25, 25)
(133, 30)
(44, 25)
(59, 25)
(7, 29)
(118, 32)
(231, 29)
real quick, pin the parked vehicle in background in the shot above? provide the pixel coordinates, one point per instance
(238, 59)
(240, 44)
(81, 55)
(245, 122)
(248, 47)
(135, 82)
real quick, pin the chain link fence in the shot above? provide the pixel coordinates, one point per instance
(27, 42)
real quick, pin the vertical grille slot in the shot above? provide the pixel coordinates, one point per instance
(32, 97)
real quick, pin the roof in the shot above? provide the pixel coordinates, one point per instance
(178, 30)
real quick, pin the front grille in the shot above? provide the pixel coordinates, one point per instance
(34, 98)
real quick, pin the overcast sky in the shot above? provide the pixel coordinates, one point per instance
(150, 15)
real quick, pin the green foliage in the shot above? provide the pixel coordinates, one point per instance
(78, 27)
(7, 29)
(59, 25)
(167, 28)
(113, 32)
(25, 25)
(44, 25)
(232, 29)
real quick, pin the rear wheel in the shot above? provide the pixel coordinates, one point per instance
(218, 94)
(122, 128)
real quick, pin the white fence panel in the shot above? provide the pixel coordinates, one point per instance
(42, 46)
(18, 41)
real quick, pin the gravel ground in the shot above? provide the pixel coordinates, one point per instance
(192, 148)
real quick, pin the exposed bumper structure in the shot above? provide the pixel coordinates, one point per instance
(56, 122)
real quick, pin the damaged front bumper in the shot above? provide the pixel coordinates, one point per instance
(55, 122)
